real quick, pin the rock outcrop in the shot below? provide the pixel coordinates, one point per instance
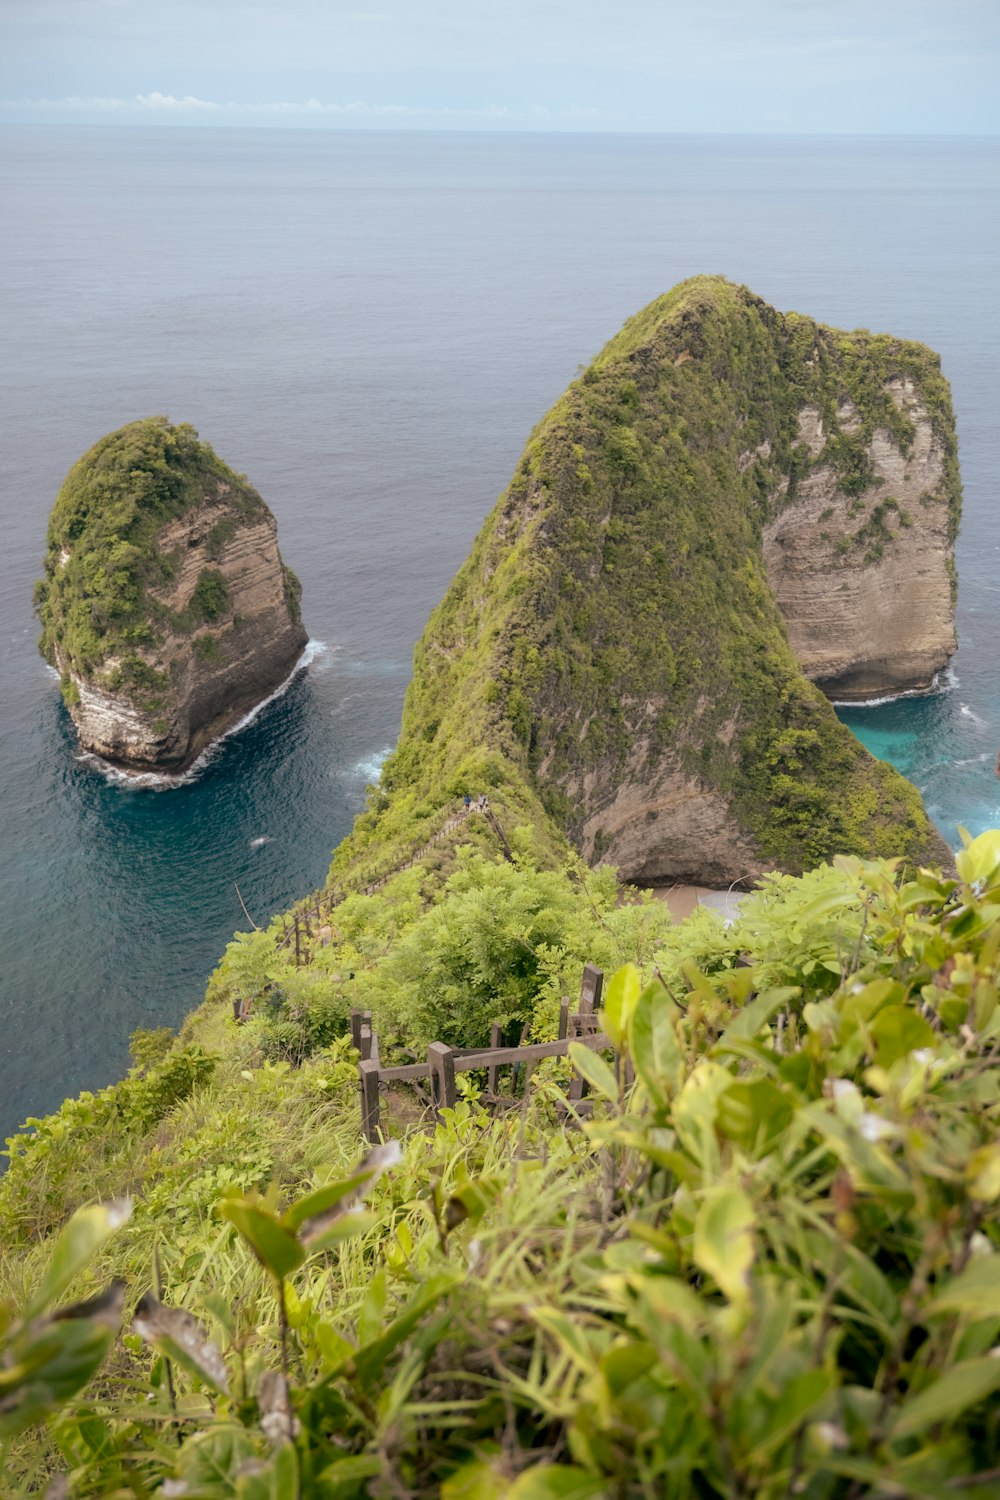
(166, 608)
(728, 503)
(864, 578)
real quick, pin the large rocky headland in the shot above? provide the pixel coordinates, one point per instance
(165, 606)
(731, 509)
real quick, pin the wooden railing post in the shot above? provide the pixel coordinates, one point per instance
(368, 1071)
(591, 988)
(359, 1019)
(366, 1043)
(493, 1071)
(441, 1061)
(584, 1021)
(563, 1019)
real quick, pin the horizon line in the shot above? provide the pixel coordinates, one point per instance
(443, 129)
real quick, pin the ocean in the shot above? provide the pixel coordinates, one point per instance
(369, 325)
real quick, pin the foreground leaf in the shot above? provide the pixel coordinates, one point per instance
(620, 1000)
(723, 1242)
(276, 1247)
(594, 1069)
(961, 1386)
(174, 1333)
(76, 1246)
(552, 1482)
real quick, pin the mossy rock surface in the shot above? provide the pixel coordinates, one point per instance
(103, 554)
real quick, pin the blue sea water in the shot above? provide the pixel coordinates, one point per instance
(369, 325)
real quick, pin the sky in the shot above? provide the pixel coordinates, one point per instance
(731, 66)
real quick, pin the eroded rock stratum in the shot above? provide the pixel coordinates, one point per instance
(729, 506)
(165, 606)
(863, 573)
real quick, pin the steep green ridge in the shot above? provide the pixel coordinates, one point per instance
(615, 616)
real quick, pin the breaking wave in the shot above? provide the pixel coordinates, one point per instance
(161, 781)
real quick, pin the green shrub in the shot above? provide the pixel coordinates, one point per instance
(206, 648)
(147, 1047)
(56, 1162)
(211, 596)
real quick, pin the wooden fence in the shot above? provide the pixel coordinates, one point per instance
(310, 919)
(438, 1073)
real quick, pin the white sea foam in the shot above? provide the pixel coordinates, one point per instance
(259, 843)
(945, 681)
(967, 713)
(872, 702)
(941, 682)
(371, 767)
(343, 704)
(159, 781)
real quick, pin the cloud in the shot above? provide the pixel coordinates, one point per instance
(157, 103)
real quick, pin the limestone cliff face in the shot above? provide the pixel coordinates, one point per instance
(166, 607)
(865, 580)
(729, 502)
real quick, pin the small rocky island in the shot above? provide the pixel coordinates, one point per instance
(165, 606)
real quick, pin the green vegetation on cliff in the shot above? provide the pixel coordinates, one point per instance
(103, 556)
(615, 616)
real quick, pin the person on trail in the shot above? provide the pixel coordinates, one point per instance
(468, 801)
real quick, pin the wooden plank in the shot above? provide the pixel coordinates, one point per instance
(406, 1073)
(366, 1044)
(500, 1056)
(443, 1064)
(582, 1021)
(563, 1018)
(370, 1103)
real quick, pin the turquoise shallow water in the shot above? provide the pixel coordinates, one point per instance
(946, 747)
(369, 326)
